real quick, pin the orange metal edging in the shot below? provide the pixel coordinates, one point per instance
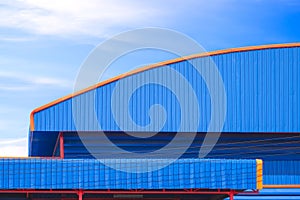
(213, 53)
(61, 145)
(281, 186)
(259, 174)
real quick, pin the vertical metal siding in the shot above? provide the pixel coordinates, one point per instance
(92, 174)
(262, 86)
(281, 172)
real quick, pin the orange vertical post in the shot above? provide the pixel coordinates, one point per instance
(61, 145)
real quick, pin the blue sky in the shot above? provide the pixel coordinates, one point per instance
(43, 43)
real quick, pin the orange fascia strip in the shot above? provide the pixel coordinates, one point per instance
(281, 186)
(259, 174)
(139, 70)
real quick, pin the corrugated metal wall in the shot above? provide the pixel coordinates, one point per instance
(267, 146)
(230, 145)
(262, 86)
(92, 174)
(282, 172)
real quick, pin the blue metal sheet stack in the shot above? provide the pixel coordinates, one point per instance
(92, 174)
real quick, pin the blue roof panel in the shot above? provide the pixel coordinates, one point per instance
(262, 88)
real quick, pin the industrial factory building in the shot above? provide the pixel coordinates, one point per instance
(256, 156)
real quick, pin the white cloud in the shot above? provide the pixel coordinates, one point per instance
(64, 18)
(51, 82)
(13, 147)
(15, 39)
(13, 88)
(12, 141)
(8, 122)
(13, 81)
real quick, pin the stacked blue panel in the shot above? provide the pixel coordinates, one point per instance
(92, 174)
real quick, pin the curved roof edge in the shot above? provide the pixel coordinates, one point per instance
(159, 64)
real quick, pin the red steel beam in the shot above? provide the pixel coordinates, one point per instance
(80, 194)
(61, 145)
(227, 192)
(159, 192)
(104, 198)
(231, 194)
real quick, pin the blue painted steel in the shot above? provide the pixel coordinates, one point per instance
(93, 174)
(280, 152)
(263, 95)
(42, 143)
(262, 86)
(268, 146)
(278, 194)
(281, 172)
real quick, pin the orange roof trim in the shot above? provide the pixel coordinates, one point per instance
(287, 186)
(160, 64)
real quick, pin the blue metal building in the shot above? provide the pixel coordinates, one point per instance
(262, 88)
